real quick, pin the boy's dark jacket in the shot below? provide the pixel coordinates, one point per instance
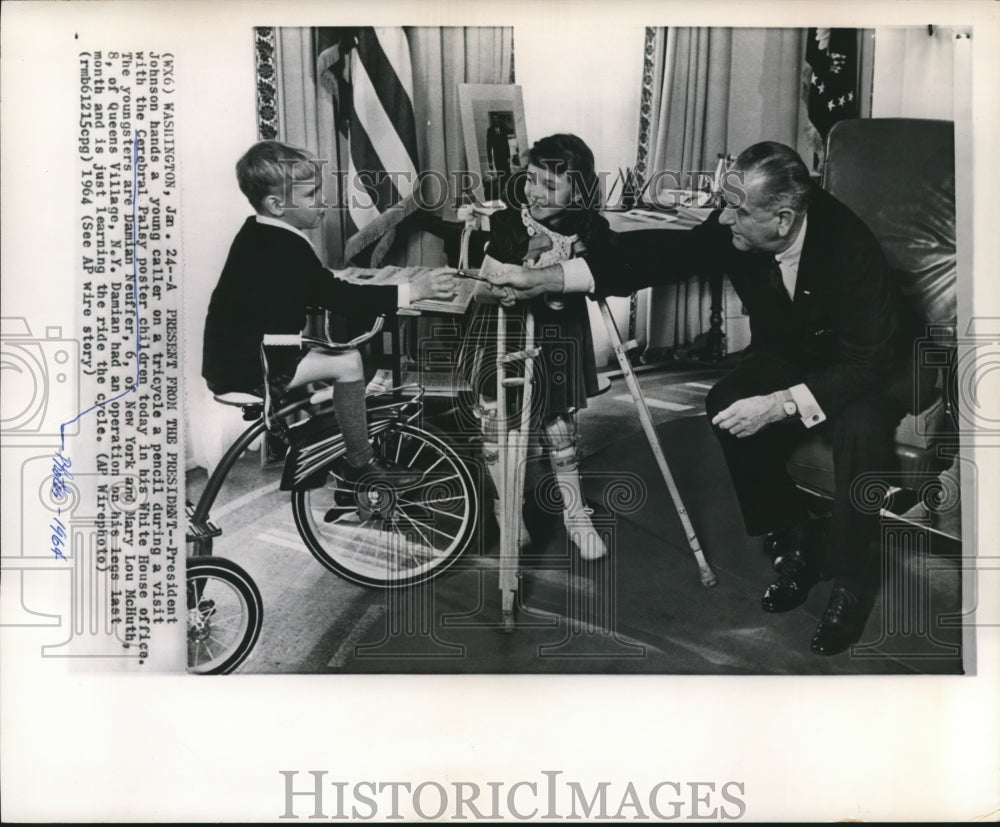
(270, 277)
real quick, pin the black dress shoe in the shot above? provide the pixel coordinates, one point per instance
(796, 576)
(842, 622)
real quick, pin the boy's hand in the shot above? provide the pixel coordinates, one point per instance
(437, 284)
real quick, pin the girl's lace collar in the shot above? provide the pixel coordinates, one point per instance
(562, 245)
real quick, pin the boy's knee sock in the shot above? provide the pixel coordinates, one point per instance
(349, 406)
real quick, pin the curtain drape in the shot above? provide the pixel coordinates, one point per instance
(688, 103)
(443, 57)
(710, 91)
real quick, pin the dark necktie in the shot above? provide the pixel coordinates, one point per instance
(775, 280)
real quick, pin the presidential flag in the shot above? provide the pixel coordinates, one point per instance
(368, 71)
(832, 74)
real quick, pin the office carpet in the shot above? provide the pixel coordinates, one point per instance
(639, 610)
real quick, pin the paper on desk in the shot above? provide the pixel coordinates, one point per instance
(458, 304)
(386, 276)
(650, 216)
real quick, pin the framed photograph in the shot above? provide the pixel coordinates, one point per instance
(494, 134)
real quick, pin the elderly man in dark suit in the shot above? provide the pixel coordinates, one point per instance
(822, 309)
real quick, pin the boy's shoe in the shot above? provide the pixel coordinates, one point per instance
(380, 470)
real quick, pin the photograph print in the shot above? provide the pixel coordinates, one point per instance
(736, 449)
(611, 384)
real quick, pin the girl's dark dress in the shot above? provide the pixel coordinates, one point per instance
(566, 372)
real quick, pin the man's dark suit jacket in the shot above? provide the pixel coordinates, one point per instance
(838, 335)
(498, 149)
(270, 277)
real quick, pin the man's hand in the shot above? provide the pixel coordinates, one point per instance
(510, 283)
(747, 416)
(436, 284)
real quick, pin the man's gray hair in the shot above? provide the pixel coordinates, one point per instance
(786, 181)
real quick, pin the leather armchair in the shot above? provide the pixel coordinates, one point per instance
(898, 176)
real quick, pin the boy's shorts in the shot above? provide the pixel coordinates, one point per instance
(280, 363)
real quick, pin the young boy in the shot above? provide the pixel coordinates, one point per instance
(272, 275)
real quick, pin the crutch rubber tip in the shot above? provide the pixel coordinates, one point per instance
(708, 578)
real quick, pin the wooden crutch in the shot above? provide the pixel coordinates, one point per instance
(512, 447)
(512, 444)
(708, 577)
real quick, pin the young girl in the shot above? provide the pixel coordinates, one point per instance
(557, 220)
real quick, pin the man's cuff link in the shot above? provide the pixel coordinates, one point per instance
(807, 406)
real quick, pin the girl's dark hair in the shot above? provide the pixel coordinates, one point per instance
(567, 154)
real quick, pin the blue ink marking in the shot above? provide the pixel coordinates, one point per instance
(61, 462)
(59, 534)
(60, 475)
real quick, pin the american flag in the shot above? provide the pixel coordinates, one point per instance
(368, 70)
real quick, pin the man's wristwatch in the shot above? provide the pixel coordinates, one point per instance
(791, 409)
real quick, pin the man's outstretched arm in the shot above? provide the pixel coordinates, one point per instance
(634, 260)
